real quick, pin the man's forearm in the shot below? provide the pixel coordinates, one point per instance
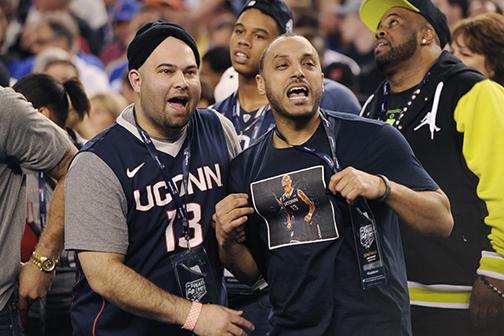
(51, 240)
(33, 283)
(238, 259)
(426, 211)
(118, 283)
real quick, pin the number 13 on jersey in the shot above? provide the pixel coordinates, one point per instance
(194, 214)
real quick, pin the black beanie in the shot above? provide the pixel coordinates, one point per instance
(150, 36)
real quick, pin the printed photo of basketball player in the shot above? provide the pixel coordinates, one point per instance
(295, 207)
(299, 211)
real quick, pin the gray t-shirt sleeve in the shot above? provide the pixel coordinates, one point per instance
(95, 207)
(233, 144)
(27, 136)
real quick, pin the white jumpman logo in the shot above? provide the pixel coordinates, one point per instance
(430, 117)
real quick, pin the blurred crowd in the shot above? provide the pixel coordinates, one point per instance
(68, 58)
(88, 39)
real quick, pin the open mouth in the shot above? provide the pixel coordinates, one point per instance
(380, 44)
(240, 57)
(179, 103)
(298, 93)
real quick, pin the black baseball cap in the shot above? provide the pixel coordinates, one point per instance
(276, 9)
(371, 12)
(150, 36)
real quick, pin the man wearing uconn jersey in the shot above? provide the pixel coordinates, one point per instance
(316, 287)
(122, 214)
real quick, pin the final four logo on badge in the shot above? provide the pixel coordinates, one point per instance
(366, 236)
(195, 290)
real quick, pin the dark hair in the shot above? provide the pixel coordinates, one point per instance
(45, 91)
(4, 75)
(484, 34)
(218, 58)
(60, 30)
(306, 20)
(463, 4)
(207, 92)
(342, 73)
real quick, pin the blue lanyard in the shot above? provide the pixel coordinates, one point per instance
(260, 114)
(372, 270)
(42, 200)
(180, 203)
(384, 102)
(329, 128)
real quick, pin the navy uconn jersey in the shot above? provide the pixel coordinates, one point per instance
(248, 126)
(154, 232)
(293, 204)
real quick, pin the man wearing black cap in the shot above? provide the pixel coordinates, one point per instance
(139, 202)
(452, 117)
(259, 22)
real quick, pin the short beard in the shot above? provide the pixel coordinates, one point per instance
(397, 55)
(298, 118)
(162, 123)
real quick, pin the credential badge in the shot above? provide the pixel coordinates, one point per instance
(195, 290)
(366, 236)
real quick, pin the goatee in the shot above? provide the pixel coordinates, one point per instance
(397, 54)
(298, 118)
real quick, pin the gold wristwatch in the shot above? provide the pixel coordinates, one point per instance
(45, 264)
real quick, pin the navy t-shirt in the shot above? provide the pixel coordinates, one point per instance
(315, 282)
